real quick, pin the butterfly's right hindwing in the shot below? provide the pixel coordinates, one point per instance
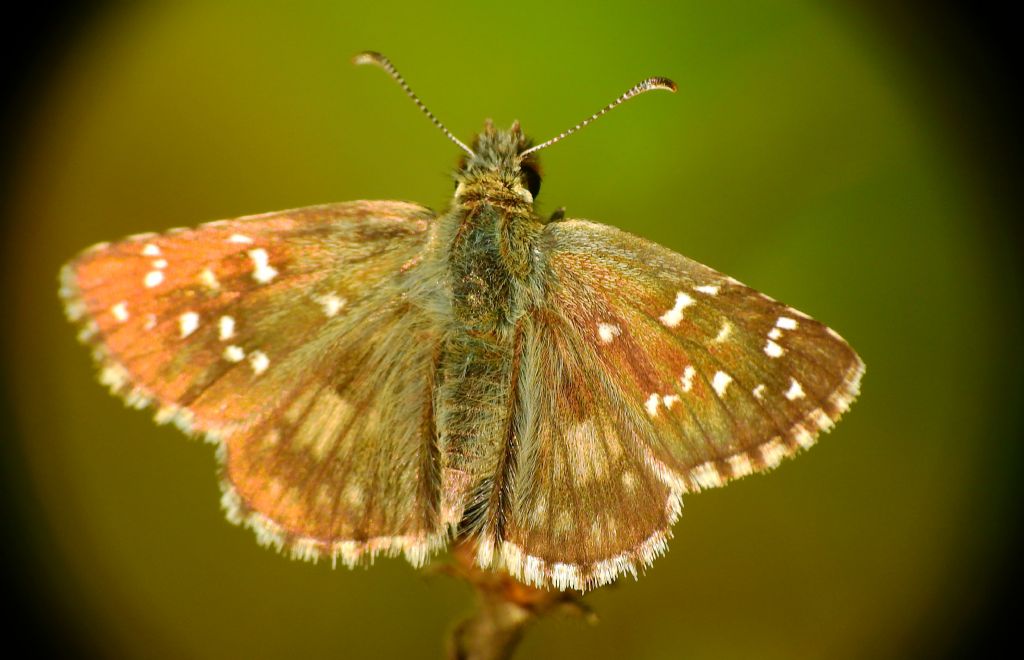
(290, 340)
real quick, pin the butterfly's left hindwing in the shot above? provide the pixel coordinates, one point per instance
(289, 340)
(647, 375)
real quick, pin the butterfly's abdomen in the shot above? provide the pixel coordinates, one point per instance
(472, 407)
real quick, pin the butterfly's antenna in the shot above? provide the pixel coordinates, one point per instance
(636, 90)
(371, 57)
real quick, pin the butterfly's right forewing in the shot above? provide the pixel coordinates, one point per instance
(292, 341)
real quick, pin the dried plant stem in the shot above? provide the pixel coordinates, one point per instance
(505, 608)
(491, 633)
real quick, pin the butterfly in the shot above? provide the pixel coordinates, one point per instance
(382, 379)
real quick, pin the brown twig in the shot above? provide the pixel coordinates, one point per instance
(505, 608)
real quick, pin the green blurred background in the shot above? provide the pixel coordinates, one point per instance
(825, 153)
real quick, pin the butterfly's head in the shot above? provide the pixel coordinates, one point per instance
(498, 160)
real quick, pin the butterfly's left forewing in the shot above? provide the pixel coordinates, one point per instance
(648, 375)
(289, 340)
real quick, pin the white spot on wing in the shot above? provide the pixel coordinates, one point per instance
(153, 278)
(672, 317)
(239, 238)
(740, 465)
(758, 392)
(120, 311)
(724, 332)
(652, 404)
(226, 327)
(706, 475)
(159, 264)
(720, 382)
(670, 400)
(234, 353)
(259, 362)
(188, 322)
(804, 438)
(608, 331)
(151, 250)
(114, 376)
(772, 350)
(687, 379)
(708, 289)
(774, 333)
(786, 323)
(262, 272)
(209, 279)
(820, 418)
(331, 303)
(772, 452)
(795, 390)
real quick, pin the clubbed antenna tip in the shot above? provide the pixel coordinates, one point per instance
(657, 82)
(371, 57)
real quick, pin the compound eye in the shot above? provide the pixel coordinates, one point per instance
(532, 178)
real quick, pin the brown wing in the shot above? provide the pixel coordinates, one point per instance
(647, 375)
(289, 341)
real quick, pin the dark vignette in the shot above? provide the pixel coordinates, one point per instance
(962, 56)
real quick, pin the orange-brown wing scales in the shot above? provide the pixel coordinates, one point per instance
(653, 376)
(283, 338)
(154, 306)
(731, 380)
(589, 505)
(336, 463)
